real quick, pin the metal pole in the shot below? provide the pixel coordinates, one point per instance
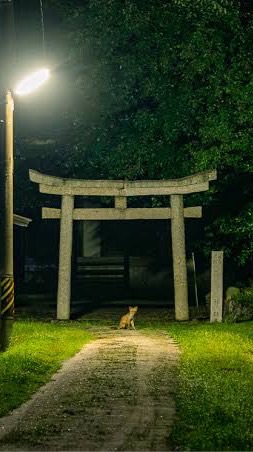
(6, 261)
(195, 281)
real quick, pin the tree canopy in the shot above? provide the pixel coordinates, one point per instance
(166, 91)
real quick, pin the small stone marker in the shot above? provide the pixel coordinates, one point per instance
(216, 286)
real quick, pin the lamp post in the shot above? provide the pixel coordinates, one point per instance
(6, 266)
(28, 85)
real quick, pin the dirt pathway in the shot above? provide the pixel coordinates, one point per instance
(115, 394)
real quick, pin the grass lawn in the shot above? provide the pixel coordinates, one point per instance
(37, 350)
(215, 387)
(215, 384)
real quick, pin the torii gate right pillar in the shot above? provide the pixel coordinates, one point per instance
(179, 257)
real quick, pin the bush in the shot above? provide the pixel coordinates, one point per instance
(240, 307)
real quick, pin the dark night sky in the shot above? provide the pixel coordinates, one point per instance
(40, 114)
(28, 28)
(44, 114)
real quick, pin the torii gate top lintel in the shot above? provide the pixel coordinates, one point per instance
(61, 186)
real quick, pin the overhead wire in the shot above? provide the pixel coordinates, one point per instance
(42, 27)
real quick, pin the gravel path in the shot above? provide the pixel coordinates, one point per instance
(115, 394)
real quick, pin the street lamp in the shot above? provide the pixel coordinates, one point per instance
(32, 82)
(26, 86)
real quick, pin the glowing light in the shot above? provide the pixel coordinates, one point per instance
(32, 82)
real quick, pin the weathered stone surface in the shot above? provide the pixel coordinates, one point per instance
(120, 202)
(238, 304)
(231, 293)
(122, 213)
(216, 286)
(121, 192)
(204, 176)
(179, 257)
(65, 254)
(56, 185)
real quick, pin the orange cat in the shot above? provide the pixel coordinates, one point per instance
(128, 319)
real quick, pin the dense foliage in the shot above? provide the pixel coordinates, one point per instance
(166, 90)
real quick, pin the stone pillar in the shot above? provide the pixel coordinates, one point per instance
(216, 286)
(91, 235)
(179, 257)
(65, 254)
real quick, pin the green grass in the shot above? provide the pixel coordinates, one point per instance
(215, 386)
(215, 383)
(37, 350)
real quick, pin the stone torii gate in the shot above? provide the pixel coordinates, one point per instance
(121, 190)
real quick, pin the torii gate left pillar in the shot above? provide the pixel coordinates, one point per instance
(179, 257)
(65, 257)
